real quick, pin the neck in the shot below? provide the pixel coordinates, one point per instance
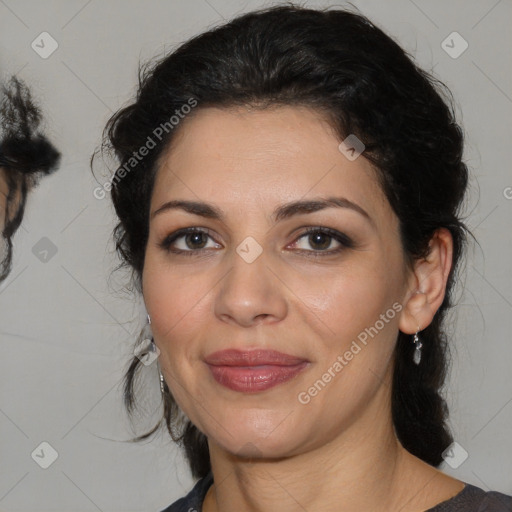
(359, 469)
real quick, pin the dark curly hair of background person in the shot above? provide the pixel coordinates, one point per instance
(25, 156)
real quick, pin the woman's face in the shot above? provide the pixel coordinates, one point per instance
(257, 281)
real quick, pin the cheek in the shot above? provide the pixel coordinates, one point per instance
(178, 303)
(177, 306)
(355, 334)
(346, 300)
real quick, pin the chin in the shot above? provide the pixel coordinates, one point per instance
(256, 435)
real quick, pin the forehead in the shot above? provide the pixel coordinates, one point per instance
(263, 157)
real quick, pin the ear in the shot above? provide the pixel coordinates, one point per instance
(428, 284)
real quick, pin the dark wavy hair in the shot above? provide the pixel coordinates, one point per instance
(25, 156)
(340, 64)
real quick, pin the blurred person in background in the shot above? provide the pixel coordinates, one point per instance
(26, 156)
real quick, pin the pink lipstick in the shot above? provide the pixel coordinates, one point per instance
(255, 370)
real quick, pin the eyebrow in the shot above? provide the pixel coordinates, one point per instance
(282, 212)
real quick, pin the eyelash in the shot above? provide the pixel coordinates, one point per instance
(344, 241)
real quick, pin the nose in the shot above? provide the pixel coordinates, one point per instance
(250, 294)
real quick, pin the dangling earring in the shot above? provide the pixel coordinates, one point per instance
(161, 377)
(147, 351)
(417, 348)
(162, 389)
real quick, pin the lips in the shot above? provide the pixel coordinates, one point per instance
(234, 357)
(255, 370)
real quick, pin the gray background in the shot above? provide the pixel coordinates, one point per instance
(67, 328)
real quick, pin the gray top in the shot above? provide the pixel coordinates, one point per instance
(470, 499)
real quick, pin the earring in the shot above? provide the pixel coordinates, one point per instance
(148, 351)
(417, 348)
(162, 389)
(161, 377)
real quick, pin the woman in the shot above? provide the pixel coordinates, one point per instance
(25, 156)
(288, 195)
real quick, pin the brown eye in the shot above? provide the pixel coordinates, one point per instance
(188, 241)
(195, 240)
(318, 241)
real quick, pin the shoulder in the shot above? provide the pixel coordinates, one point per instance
(193, 501)
(474, 499)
